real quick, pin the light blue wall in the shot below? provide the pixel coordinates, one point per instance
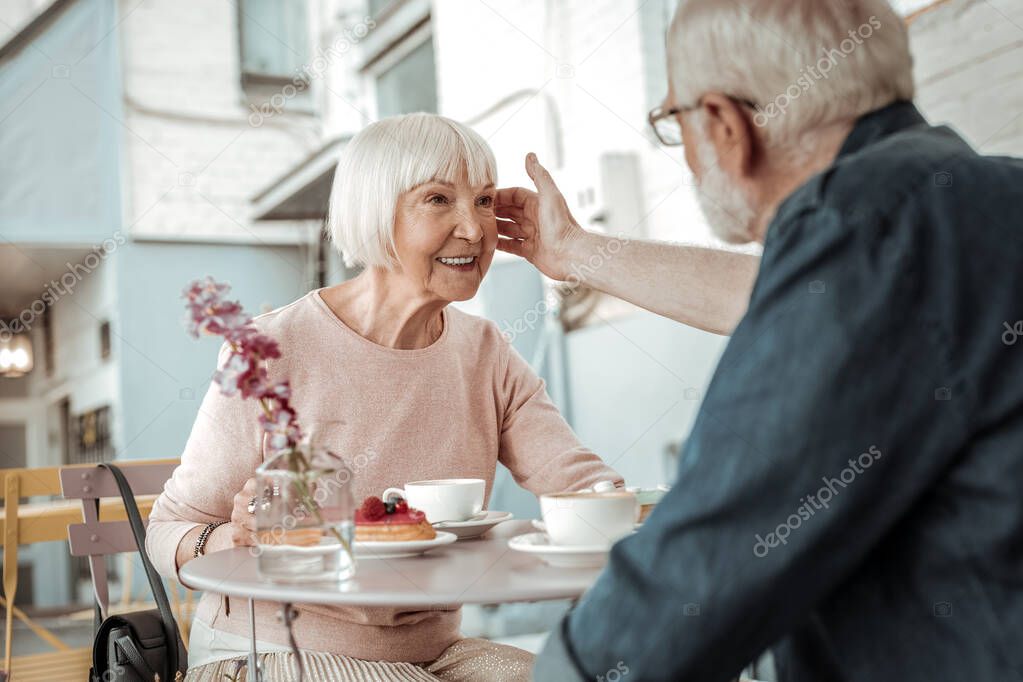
(636, 384)
(60, 106)
(510, 289)
(165, 372)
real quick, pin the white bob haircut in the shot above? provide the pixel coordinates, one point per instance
(386, 159)
(803, 63)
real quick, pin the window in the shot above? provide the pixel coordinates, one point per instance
(274, 39)
(654, 20)
(90, 437)
(104, 340)
(48, 353)
(410, 84)
(26, 585)
(378, 6)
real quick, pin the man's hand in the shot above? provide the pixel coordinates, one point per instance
(703, 287)
(537, 225)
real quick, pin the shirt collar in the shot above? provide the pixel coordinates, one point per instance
(879, 124)
(869, 129)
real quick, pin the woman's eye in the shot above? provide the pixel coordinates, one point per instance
(438, 199)
(486, 201)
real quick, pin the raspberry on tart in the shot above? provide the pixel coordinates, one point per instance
(377, 521)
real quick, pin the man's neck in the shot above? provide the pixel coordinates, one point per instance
(787, 177)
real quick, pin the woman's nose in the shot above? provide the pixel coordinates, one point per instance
(468, 228)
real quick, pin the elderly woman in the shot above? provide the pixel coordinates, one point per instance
(381, 363)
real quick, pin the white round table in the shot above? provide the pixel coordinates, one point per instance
(480, 571)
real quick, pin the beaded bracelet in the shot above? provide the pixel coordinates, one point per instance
(200, 544)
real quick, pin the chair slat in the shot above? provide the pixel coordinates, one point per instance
(144, 477)
(62, 665)
(37, 481)
(49, 521)
(90, 539)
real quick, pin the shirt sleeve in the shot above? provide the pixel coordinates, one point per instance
(539, 448)
(222, 452)
(832, 411)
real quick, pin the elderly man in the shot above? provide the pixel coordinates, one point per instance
(850, 492)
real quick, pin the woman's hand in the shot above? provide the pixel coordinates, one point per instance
(242, 528)
(538, 225)
(239, 532)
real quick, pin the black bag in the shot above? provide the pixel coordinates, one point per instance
(136, 647)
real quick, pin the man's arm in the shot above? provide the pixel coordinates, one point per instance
(819, 433)
(701, 287)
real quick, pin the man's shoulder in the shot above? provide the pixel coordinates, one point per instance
(924, 169)
(920, 184)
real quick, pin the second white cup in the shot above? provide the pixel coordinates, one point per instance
(589, 518)
(448, 499)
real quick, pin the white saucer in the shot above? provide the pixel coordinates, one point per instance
(542, 527)
(393, 550)
(476, 526)
(565, 556)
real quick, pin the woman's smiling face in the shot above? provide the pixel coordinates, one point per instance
(445, 234)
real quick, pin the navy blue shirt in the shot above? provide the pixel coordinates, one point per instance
(851, 493)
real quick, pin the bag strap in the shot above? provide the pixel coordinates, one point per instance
(135, 658)
(155, 582)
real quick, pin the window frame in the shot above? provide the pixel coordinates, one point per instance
(387, 60)
(250, 78)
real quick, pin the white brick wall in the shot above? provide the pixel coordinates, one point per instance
(969, 70)
(193, 158)
(16, 14)
(194, 161)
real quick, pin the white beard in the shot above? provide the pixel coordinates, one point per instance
(726, 208)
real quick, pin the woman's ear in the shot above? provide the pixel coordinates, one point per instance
(731, 132)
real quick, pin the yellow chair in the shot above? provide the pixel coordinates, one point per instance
(24, 524)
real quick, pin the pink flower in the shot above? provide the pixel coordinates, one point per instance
(281, 425)
(245, 369)
(279, 391)
(233, 373)
(260, 346)
(209, 313)
(254, 383)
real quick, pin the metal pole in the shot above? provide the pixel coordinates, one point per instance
(254, 672)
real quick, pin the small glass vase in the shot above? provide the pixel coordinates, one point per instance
(305, 518)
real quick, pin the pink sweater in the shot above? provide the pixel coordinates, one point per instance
(451, 410)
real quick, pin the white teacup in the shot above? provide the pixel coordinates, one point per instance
(589, 518)
(448, 499)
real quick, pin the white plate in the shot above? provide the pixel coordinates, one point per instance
(566, 556)
(393, 550)
(476, 526)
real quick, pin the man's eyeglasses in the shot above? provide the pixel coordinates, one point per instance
(666, 125)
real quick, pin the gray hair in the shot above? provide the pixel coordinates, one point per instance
(803, 63)
(386, 159)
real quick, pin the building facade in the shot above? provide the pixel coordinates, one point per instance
(145, 144)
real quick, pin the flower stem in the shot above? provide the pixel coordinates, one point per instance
(310, 504)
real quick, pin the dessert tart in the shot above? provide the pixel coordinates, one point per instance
(301, 537)
(377, 521)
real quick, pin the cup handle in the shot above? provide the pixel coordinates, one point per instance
(392, 491)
